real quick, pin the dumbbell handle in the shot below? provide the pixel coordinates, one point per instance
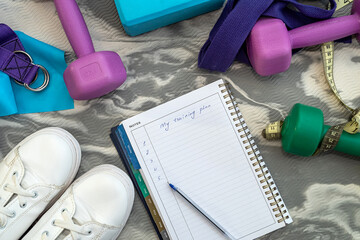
(348, 143)
(324, 31)
(75, 27)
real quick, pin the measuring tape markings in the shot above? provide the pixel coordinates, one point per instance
(342, 3)
(332, 136)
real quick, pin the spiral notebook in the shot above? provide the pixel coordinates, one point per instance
(200, 143)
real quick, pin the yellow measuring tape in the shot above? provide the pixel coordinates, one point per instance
(328, 60)
(342, 3)
(332, 136)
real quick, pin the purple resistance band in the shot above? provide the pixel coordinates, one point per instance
(227, 38)
(14, 61)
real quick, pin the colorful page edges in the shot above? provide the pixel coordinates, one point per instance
(119, 139)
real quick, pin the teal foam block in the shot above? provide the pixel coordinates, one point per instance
(140, 16)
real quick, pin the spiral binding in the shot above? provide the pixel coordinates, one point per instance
(255, 158)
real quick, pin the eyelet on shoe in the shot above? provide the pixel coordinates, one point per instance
(35, 195)
(63, 210)
(89, 232)
(53, 222)
(15, 173)
(13, 214)
(23, 205)
(46, 233)
(5, 186)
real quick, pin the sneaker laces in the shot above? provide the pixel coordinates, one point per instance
(67, 224)
(17, 189)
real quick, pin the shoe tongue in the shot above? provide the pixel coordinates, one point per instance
(63, 235)
(81, 215)
(29, 179)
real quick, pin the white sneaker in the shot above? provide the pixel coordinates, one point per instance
(96, 206)
(33, 175)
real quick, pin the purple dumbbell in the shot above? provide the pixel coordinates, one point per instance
(93, 74)
(270, 44)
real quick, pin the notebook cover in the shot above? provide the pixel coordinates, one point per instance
(129, 168)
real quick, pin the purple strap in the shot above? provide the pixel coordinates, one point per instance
(226, 40)
(16, 65)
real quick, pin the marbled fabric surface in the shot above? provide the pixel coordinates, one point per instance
(322, 193)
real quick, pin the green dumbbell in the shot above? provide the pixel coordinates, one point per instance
(303, 131)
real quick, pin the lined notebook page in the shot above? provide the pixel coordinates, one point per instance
(193, 143)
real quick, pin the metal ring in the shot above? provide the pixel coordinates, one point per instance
(25, 53)
(45, 83)
(46, 75)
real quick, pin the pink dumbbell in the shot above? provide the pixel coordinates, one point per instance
(93, 74)
(270, 44)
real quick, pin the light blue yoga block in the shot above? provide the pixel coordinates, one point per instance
(140, 16)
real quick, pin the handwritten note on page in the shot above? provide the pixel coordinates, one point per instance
(192, 142)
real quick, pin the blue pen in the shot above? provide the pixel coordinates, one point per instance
(178, 190)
